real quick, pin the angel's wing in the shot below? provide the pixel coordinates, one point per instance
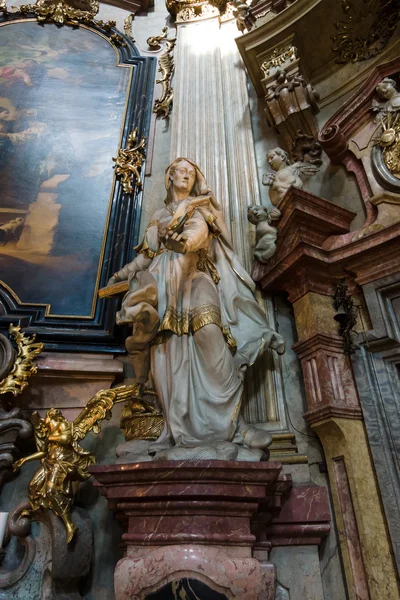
(40, 431)
(305, 169)
(99, 408)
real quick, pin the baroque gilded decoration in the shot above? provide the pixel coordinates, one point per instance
(64, 462)
(141, 417)
(163, 105)
(129, 161)
(24, 366)
(388, 112)
(278, 57)
(357, 38)
(128, 26)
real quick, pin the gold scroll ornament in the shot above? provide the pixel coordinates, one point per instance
(129, 161)
(24, 365)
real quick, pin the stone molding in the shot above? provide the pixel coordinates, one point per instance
(313, 254)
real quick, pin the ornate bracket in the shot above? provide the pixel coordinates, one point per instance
(129, 161)
(163, 106)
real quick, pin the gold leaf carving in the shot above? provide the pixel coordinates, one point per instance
(129, 161)
(24, 365)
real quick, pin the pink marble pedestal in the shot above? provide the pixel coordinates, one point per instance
(191, 519)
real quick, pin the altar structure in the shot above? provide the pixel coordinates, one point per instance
(199, 300)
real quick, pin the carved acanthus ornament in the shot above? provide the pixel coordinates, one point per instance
(129, 161)
(291, 101)
(244, 19)
(24, 366)
(162, 106)
(356, 38)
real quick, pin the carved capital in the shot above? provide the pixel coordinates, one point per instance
(196, 10)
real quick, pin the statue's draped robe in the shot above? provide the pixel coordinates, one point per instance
(204, 299)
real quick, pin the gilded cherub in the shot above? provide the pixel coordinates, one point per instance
(64, 462)
(286, 174)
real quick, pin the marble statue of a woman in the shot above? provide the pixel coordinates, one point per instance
(196, 324)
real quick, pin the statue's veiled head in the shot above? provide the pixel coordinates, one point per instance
(183, 175)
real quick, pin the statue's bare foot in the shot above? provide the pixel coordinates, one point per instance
(71, 530)
(257, 438)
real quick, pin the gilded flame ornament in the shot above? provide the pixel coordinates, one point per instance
(24, 365)
(64, 462)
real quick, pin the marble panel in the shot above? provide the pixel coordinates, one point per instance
(298, 570)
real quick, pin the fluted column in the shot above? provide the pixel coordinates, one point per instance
(211, 120)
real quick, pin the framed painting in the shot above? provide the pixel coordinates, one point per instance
(69, 98)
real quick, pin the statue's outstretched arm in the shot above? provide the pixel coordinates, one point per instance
(22, 461)
(140, 263)
(146, 252)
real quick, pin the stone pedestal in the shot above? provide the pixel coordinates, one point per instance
(188, 524)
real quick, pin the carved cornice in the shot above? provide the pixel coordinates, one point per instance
(307, 257)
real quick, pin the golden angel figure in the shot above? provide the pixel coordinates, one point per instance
(64, 461)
